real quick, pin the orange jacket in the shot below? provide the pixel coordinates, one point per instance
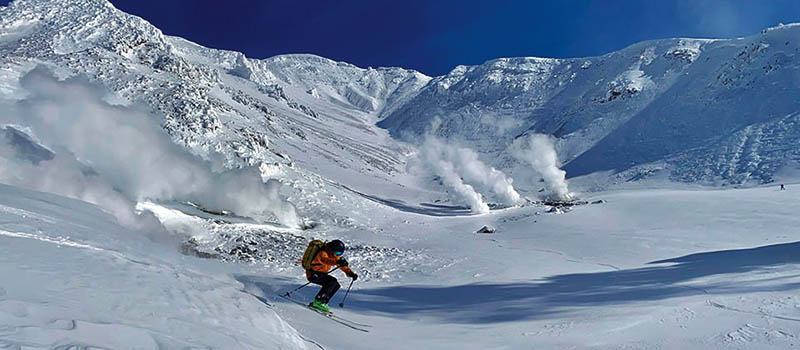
(324, 261)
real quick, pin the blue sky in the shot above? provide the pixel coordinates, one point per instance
(434, 36)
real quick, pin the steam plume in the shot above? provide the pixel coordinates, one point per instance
(471, 170)
(462, 170)
(538, 150)
(431, 155)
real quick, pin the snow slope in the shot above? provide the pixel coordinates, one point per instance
(71, 277)
(718, 272)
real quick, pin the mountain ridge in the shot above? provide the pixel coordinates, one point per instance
(583, 102)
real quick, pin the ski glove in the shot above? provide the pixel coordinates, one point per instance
(341, 262)
(353, 275)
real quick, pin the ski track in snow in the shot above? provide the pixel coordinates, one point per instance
(763, 314)
(66, 242)
(59, 241)
(562, 255)
(580, 261)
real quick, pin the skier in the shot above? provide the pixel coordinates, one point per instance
(783, 187)
(324, 259)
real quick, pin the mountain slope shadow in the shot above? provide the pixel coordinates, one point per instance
(490, 303)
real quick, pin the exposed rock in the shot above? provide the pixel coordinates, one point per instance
(486, 229)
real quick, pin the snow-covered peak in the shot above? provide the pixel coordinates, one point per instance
(70, 26)
(372, 90)
(199, 54)
(502, 73)
(84, 24)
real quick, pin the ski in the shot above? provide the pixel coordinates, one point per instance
(329, 315)
(339, 320)
(332, 317)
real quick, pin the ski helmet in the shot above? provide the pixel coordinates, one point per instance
(336, 246)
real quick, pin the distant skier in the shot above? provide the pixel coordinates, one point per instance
(783, 188)
(318, 260)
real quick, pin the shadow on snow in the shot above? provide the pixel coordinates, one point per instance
(424, 208)
(506, 302)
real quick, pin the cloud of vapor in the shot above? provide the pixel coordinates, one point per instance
(538, 150)
(447, 171)
(472, 170)
(121, 153)
(462, 170)
(500, 124)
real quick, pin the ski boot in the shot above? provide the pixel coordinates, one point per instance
(320, 306)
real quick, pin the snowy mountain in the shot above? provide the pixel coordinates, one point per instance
(707, 111)
(690, 110)
(302, 119)
(212, 101)
(156, 194)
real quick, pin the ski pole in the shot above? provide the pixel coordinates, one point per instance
(289, 293)
(341, 305)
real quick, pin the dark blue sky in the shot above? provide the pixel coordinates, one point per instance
(434, 36)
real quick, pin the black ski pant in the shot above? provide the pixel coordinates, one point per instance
(329, 285)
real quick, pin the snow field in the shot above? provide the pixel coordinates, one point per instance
(649, 269)
(70, 277)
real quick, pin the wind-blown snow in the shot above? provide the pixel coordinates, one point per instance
(121, 156)
(66, 176)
